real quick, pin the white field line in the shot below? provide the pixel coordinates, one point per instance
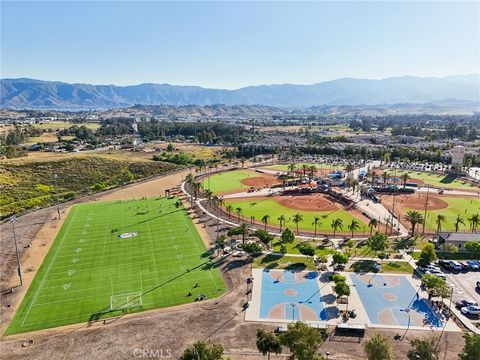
(49, 268)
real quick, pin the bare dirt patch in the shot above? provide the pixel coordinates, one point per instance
(415, 201)
(310, 202)
(260, 181)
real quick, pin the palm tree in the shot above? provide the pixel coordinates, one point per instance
(474, 221)
(405, 177)
(229, 209)
(349, 168)
(243, 230)
(265, 220)
(291, 169)
(296, 219)
(372, 224)
(312, 170)
(316, 222)
(282, 219)
(354, 225)
(458, 221)
(336, 224)
(385, 176)
(238, 211)
(267, 343)
(304, 169)
(372, 176)
(440, 219)
(414, 218)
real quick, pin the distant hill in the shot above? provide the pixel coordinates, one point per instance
(37, 94)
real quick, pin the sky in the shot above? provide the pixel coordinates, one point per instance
(236, 44)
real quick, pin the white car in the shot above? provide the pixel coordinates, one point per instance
(470, 310)
(238, 253)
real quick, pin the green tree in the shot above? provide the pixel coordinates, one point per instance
(428, 254)
(268, 342)
(414, 218)
(378, 348)
(435, 285)
(336, 224)
(471, 349)
(306, 249)
(372, 224)
(251, 247)
(264, 236)
(439, 221)
(473, 248)
(283, 249)
(281, 220)
(203, 350)
(287, 236)
(354, 225)
(474, 221)
(316, 222)
(340, 258)
(405, 177)
(266, 220)
(423, 349)
(303, 341)
(458, 221)
(342, 289)
(229, 209)
(125, 176)
(241, 229)
(378, 242)
(297, 218)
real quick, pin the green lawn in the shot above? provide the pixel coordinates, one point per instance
(284, 262)
(456, 206)
(228, 181)
(442, 181)
(90, 273)
(271, 207)
(396, 267)
(292, 248)
(284, 167)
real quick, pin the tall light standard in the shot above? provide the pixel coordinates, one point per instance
(293, 311)
(425, 212)
(56, 196)
(19, 269)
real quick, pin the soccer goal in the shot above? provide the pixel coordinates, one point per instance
(125, 301)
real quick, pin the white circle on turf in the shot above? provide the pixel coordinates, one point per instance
(128, 235)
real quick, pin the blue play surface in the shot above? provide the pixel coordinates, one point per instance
(292, 295)
(380, 296)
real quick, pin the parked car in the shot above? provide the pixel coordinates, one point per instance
(472, 264)
(238, 253)
(464, 265)
(436, 273)
(456, 266)
(470, 310)
(447, 264)
(465, 302)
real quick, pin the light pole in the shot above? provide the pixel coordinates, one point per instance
(56, 196)
(408, 325)
(293, 311)
(425, 212)
(19, 269)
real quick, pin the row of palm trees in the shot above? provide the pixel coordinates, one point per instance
(415, 217)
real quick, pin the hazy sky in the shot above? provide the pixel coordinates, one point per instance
(230, 45)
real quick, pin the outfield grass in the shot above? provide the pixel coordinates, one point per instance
(228, 181)
(271, 207)
(88, 266)
(442, 181)
(456, 206)
(284, 167)
(271, 261)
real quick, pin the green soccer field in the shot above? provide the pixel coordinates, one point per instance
(91, 272)
(441, 181)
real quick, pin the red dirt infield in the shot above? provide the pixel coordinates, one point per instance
(260, 181)
(415, 201)
(310, 202)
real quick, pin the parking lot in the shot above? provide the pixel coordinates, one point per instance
(464, 285)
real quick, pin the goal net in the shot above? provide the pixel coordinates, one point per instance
(125, 301)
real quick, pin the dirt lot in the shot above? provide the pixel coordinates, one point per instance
(164, 331)
(260, 181)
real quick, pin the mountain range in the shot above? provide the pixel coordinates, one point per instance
(463, 90)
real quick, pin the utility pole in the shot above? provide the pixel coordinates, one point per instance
(425, 212)
(19, 269)
(56, 195)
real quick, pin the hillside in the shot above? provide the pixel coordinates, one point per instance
(29, 93)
